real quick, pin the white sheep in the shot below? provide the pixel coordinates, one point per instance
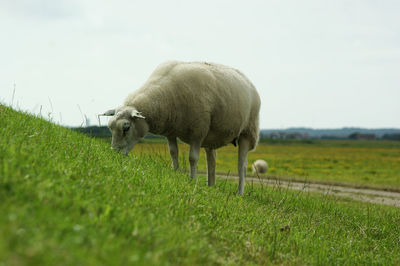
(203, 104)
(259, 167)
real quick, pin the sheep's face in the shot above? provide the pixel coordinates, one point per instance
(127, 126)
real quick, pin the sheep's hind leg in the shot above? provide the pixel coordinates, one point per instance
(211, 158)
(244, 147)
(193, 158)
(173, 151)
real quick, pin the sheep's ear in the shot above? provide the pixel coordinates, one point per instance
(136, 114)
(109, 113)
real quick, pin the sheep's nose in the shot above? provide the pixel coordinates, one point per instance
(120, 151)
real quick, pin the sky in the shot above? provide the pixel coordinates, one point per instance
(315, 63)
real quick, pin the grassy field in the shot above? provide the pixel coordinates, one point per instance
(66, 199)
(356, 163)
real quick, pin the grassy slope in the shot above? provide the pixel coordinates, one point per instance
(66, 199)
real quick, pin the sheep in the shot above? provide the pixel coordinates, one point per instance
(206, 105)
(259, 167)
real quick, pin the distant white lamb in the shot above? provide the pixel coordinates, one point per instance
(259, 167)
(203, 104)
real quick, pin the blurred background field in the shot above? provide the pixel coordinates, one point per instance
(373, 163)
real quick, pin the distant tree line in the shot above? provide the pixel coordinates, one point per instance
(94, 131)
(104, 132)
(335, 133)
(358, 135)
(391, 137)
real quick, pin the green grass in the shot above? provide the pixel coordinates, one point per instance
(66, 199)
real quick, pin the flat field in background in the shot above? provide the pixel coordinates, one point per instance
(357, 163)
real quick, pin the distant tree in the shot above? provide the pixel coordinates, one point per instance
(358, 135)
(391, 136)
(94, 131)
(354, 135)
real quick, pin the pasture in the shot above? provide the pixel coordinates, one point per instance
(373, 164)
(67, 199)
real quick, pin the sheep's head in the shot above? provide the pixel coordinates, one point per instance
(127, 126)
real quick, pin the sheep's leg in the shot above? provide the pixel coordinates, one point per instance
(173, 151)
(244, 147)
(211, 158)
(193, 158)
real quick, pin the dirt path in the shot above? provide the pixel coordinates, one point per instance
(366, 195)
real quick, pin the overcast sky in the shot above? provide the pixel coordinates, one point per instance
(320, 64)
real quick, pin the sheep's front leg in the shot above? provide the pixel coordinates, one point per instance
(193, 158)
(244, 147)
(211, 162)
(173, 151)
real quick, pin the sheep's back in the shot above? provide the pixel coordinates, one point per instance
(198, 101)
